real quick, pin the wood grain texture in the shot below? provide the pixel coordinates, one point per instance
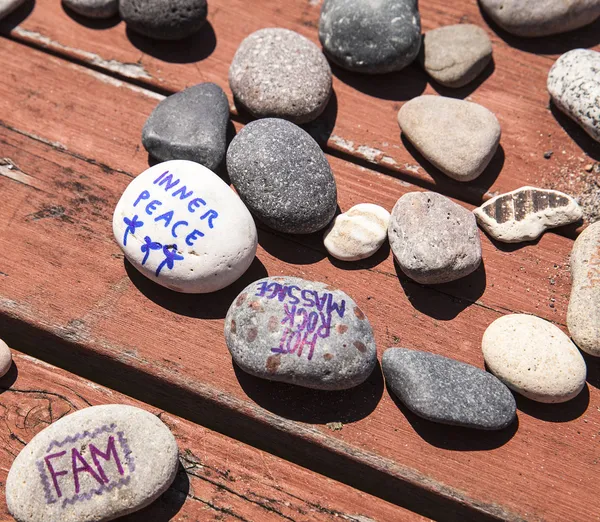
(168, 350)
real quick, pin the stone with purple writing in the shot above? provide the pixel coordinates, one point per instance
(183, 227)
(96, 464)
(301, 332)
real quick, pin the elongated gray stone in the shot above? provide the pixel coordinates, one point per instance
(447, 391)
(94, 8)
(300, 332)
(8, 6)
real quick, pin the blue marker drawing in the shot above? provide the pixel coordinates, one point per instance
(147, 246)
(171, 255)
(132, 224)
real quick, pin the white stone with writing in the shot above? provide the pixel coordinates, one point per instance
(180, 225)
(96, 464)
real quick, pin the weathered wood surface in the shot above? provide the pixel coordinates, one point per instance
(74, 154)
(361, 121)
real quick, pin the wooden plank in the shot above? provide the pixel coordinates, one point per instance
(361, 121)
(168, 349)
(219, 478)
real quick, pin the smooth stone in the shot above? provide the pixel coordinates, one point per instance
(301, 332)
(574, 85)
(458, 137)
(583, 316)
(281, 74)
(434, 240)
(374, 37)
(93, 465)
(8, 6)
(357, 233)
(455, 55)
(443, 390)
(282, 175)
(534, 358)
(94, 8)
(190, 125)
(5, 358)
(524, 214)
(164, 19)
(184, 228)
(541, 18)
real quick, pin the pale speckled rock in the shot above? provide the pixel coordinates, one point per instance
(94, 8)
(184, 228)
(93, 465)
(541, 17)
(8, 6)
(443, 390)
(280, 73)
(534, 358)
(524, 214)
(574, 85)
(455, 55)
(433, 239)
(5, 358)
(300, 332)
(374, 37)
(583, 317)
(460, 138)
(357, 233)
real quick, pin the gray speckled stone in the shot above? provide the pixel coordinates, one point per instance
(574, 85)
(448, 391)
(456, 54)
(300, 332)
(280, 73)
(541, 17)
(164, 19)
(190, 125)
(433, 239)
(282, 176)
(375, 36)
(8, 6)
(94, 8)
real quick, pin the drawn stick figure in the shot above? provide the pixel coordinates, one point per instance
(132, 224)
(148, 246)
(171, 255)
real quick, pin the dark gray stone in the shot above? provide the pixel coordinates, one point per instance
(378, 36)
(282, 176)
(190, 125)
(94, 8)
(300, 332)
(164, 19)
(448, 391)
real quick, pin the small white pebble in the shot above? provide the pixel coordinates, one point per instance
(5, 358)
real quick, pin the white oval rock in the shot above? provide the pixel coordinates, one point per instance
(96, 464)
(534, 358)
(5, 358)
(357, 233)
(524, 214)
(180, 225)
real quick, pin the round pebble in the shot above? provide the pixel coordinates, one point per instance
(460, 138)
(534, 358)
(183, 227)
(93, 465)
(434, 240)
(357, 233)
(189, 125)
(300, 332)
(94, 8)
(280, 73)
(164, 19)
(283, 176)
(374, 37)
(443, 390)
(5, 358)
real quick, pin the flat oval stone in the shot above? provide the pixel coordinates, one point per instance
(93, 465)
(164, 19)
(280, 73)
(524, 214)
(433, 239)
(5, 358)
(574, 85)
(534, 358)
(374, 37)
(455, 55)
(300, 332)
(536, 18)
(189, 125)
(357, 233)
(8, 6)
(94, 8)
(583, 317)
(180, 225)
(460, 138)
(282, 175)
(443, 390)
